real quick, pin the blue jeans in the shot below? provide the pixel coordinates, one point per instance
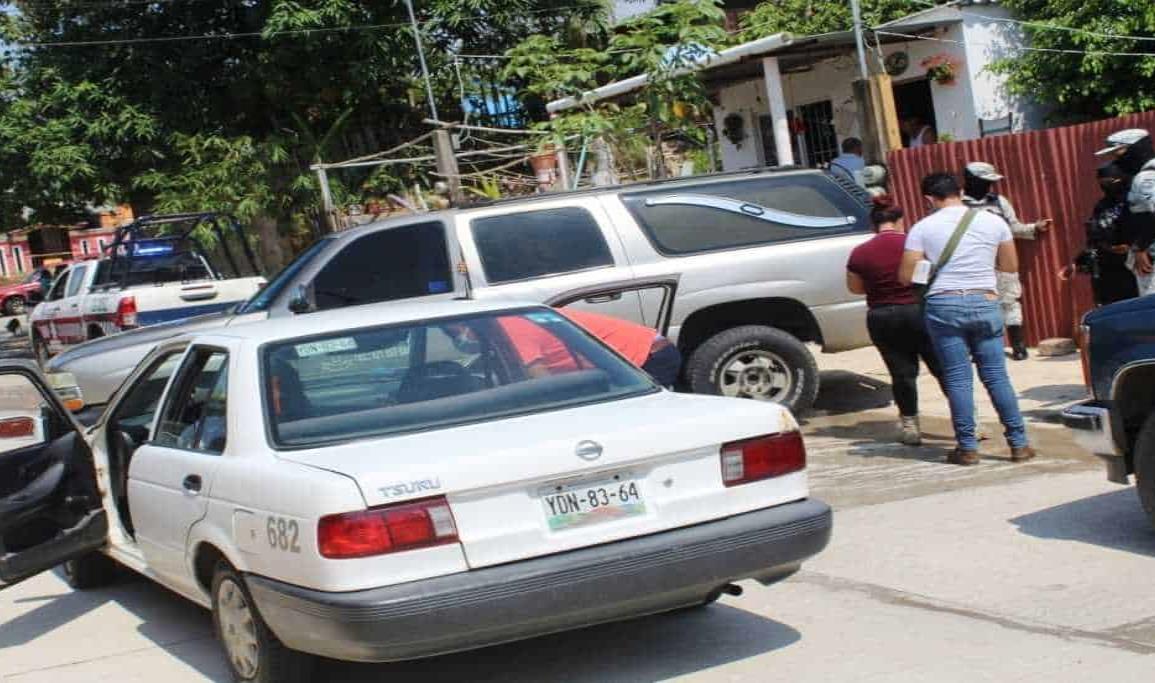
(966, 327)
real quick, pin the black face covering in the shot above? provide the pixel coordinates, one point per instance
(1136, 155)
(1113, 180)
(974, 186)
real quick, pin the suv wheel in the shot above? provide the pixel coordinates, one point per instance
(254, 653)
(1144, 456)
(758, 362)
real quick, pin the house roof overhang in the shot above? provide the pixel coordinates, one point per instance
(744, 62)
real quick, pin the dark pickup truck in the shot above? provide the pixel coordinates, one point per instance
(1118, 423)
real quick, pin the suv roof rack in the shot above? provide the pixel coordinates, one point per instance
(752, 171)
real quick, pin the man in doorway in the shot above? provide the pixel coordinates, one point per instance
(979, 179)
(850, 163)
(918, 133)
(966, 247)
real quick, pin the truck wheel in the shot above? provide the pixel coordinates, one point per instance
(90, 571)
(1144, 456)
(253, 651)
(15, 305)
(758, 362)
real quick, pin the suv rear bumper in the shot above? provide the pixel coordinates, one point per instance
(619, 580)
(1090, 424)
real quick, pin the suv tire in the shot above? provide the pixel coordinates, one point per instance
(243, 633)
(1144, 461)
(755, 361)
(90, 571)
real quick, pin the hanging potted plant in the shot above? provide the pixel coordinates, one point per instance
(941, 68)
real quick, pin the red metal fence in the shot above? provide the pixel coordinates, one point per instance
(1049, 174)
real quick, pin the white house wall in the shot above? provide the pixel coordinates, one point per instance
(988, 40)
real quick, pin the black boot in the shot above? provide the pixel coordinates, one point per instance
(1018, 342)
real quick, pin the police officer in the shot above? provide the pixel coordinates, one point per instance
(1133, 151)
(979, 178)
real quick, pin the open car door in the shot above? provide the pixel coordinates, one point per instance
(656, 298)
(50, 507)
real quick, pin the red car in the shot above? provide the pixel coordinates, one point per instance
(14, 299)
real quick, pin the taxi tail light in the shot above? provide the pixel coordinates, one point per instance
(762, 458)
(126, 312)
(389, 529)
(17, 427)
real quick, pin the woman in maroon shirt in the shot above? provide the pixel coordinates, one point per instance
(895, 318)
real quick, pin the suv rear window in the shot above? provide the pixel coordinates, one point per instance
(731, 214)
(520, 246)
(395, 263)
(433, 374)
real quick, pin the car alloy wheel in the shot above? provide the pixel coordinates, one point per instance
(756, 373)
(238, 629)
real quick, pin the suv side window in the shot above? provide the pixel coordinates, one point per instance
(396, 263)
(194, 414)
(530, 244)
(690, 218)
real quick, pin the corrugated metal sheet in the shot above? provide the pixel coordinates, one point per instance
(1049, 174)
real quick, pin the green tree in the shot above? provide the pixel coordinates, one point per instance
(1085, 83)
(810, 17)
(90, 113)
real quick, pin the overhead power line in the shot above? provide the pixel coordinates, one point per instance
(1044, 26)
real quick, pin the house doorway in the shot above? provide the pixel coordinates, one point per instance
(914, 98)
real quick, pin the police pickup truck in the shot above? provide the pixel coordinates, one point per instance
(146, 278)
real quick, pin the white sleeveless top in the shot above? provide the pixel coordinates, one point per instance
(916, 141)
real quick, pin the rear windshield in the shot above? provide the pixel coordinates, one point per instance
(123, 271)
(418, 376)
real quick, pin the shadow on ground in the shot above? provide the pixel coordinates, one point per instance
(844, 392)
(647, 649)
(653, 648)
(1112, 520)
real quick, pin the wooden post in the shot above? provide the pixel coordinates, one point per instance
(882, 94)
(326, 199)
(447, 165)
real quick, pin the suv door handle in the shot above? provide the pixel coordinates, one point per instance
(603, 298)
(192, 483)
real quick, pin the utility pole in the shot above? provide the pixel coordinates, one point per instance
(421, 58)
(856, 10)
(327, 218)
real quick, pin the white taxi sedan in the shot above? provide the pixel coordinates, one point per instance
(396, 481)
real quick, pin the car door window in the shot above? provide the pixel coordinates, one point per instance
(193, 418)
(725, 215)
(75, 280)
(26, 420)
(135, 411)
(395, 263)
(530, 244)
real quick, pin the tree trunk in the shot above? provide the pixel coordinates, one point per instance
(269, 248)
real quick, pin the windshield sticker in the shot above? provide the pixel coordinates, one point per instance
(438, 287)
(327, 346)
(544, 318)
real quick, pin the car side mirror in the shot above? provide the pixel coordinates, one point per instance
(302, 300)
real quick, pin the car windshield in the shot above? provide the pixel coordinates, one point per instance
(424, 375)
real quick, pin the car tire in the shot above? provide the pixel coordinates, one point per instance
(755, 361)
(253, 652)
(15, 305)
(1144, 461)
(93, 570)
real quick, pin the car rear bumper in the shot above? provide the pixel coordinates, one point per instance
(1090, 424)
(620, 580)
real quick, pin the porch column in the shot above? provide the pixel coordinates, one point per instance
(777, 101)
